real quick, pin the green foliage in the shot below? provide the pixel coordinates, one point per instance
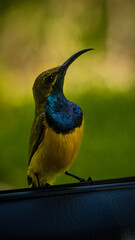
(15, 125)
(107, 149)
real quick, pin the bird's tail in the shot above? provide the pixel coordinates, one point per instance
(29, 180)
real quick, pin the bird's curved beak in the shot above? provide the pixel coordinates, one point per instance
(66, 64)
(62, 69)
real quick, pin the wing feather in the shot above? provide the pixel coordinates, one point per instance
(37, 134)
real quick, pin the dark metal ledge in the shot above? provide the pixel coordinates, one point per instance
(73, 188)
(103, 210)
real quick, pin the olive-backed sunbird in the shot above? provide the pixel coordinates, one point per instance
(57, 129)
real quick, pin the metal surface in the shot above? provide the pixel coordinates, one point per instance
(104, 210)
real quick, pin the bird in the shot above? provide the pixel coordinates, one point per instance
(57, 129)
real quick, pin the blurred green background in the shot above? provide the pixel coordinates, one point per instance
(37, 35)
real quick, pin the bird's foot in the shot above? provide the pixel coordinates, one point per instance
(45, 185)
(90, 180)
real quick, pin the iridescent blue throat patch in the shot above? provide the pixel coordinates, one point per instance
(61, 114)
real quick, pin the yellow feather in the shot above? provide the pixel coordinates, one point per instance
(55, 154)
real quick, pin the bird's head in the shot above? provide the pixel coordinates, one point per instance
(52, 80)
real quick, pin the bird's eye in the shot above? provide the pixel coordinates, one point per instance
(50, 78)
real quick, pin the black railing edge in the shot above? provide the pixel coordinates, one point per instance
(78, 184)
(72, 188)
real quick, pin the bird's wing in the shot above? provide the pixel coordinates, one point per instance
(37, 134)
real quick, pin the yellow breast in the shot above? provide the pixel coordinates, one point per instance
(55, 154)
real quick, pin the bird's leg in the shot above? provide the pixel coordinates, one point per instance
(38, 184)
(74, 176)
(37, 179)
